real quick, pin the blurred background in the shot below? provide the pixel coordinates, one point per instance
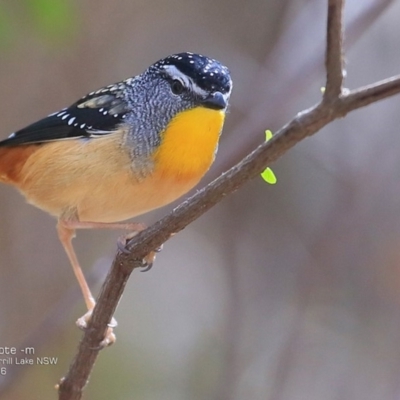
(280, 292)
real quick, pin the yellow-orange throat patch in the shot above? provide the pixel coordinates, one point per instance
(189, 143)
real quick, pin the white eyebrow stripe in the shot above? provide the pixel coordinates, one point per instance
(174, 73)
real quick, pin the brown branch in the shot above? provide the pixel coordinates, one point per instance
(335, 105)
(334, 51)
(255, 112)
(72, 386)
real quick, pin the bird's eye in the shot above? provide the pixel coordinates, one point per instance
(177, 87)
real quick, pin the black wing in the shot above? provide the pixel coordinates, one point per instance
(98, 113)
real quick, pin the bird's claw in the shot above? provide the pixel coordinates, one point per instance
(121, 244)
(147, 261)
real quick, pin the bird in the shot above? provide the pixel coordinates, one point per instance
(121, 151)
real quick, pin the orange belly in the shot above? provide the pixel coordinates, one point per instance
(91, 181)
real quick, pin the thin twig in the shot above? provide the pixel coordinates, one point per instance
(334, 51)
(256, 114)
(303, 125)
(369, 94)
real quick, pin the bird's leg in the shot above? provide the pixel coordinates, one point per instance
(66, 233)
(133, 227)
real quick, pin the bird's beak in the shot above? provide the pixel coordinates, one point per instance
(215, 101)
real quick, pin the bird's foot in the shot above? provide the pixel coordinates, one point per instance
(148, 260)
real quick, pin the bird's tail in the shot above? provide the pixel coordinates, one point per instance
(12, 160)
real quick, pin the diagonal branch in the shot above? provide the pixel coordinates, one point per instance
(303, 125)
(334, 105)
(71, 387)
